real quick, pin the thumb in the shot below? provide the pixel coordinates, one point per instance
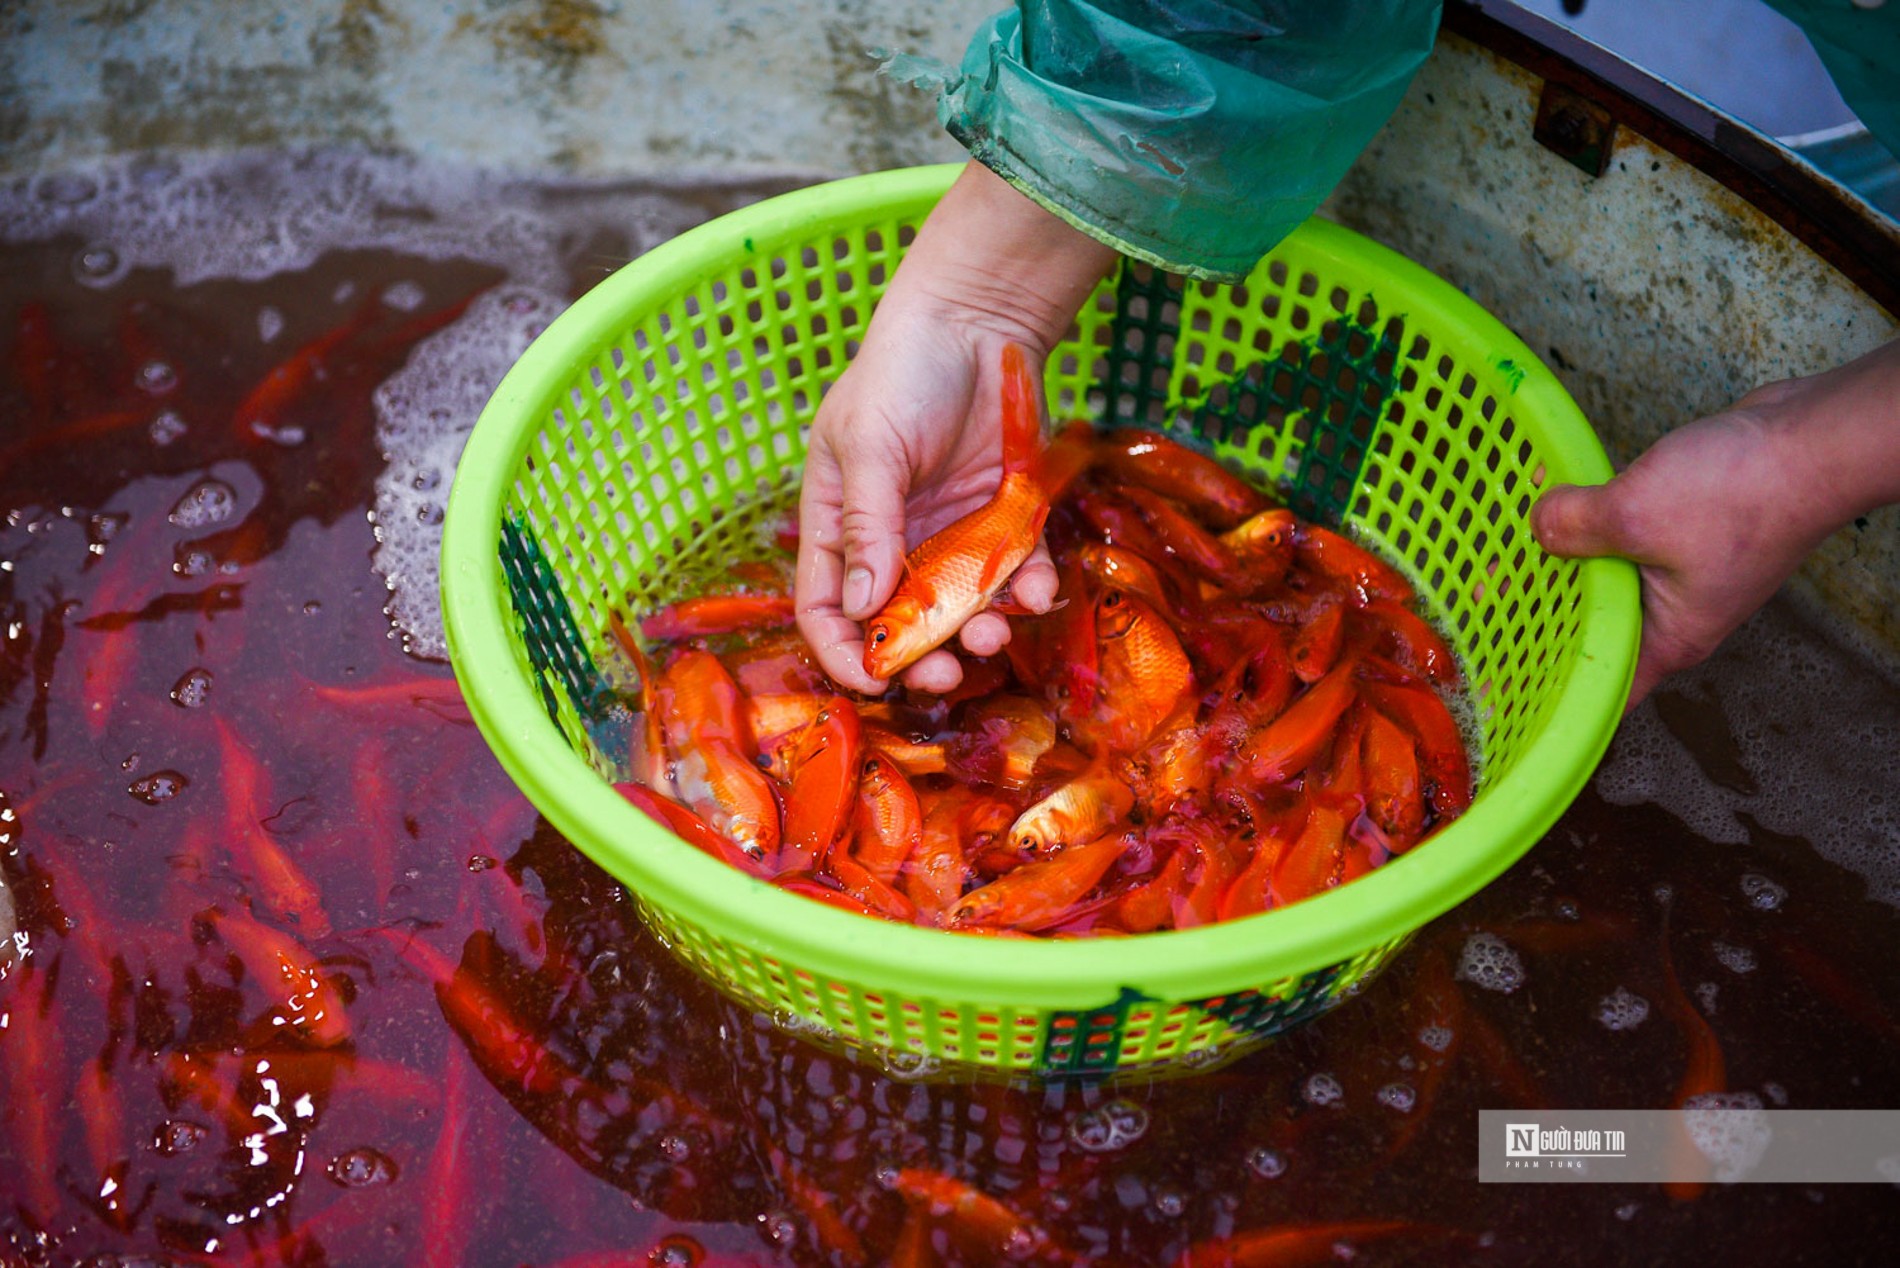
(873, 524)
(1580, 521)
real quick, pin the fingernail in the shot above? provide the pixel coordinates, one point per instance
(857, 592)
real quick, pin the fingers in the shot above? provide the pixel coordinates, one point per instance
(1575, 522)
(835, 639)
(1035, 581)
(985, 634)
(936, 672)
(872, 520)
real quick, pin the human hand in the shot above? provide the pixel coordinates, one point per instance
(1717, 514)
(909, 438)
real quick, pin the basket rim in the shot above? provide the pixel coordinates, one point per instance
(1039, 974)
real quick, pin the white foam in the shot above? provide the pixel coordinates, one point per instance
(1622, 1010)
(1733, 958)
(1763, 894)
(1488, 961)
(206, 503)
(1397, 1096)
(254, 214)
(1107, 1128)
(1812, 724)
(424, 413)
(1730, 1129)
(1322, 1089)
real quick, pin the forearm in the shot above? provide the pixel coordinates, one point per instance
(990, 256)
(1839, 434)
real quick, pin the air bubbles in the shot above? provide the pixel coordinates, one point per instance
(1733, 958)
(1730, 1129)
(1762, 893)
(903, 1065)
(206, 503)
(158, 787)
(361, 1168)
(166, 428)
(424, 413)
(98, 265)
(270, 324)
(1322, 1089)
(102, 527)
(192, 561)
(403, 296)
(676, 1250)
(479, 863)
(1489, 962)
(1627, 1211)
(1397, 1096)
(1775, 1093)
(192, 690)
(1811, 709)
(155, 378)
(1437, 1038)
(1621, 1010)
(151, 171)
(675, 1148)
(66, 189)
(1268, 1164)
(779, 1228)
(283, 435)
(1169, 1202)
(1106, 1128)
(178, 1136)
(1705, 993)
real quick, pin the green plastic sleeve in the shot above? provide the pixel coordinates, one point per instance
(1194, 134)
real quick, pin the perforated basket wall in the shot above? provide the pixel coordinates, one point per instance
(657, 421)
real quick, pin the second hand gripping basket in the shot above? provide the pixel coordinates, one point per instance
(662, 418)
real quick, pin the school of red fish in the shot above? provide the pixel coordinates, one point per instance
(1227, 710)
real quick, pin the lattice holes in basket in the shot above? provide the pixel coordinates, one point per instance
(685, 429)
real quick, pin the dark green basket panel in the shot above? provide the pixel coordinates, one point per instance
(1358, 417)
(1315, 398)
(661, 462)
(1254, 1013)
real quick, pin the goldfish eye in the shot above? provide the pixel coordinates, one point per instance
(879, 635)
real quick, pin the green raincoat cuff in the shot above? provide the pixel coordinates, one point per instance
(1193, 134)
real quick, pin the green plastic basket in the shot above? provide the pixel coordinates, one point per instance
(643, 432)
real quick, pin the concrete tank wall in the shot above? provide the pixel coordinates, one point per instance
(598, 86)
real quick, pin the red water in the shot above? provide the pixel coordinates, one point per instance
(206, 718)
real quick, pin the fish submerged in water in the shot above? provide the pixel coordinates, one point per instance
(955, 573)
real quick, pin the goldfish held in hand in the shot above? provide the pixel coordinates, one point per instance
(955, 573)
